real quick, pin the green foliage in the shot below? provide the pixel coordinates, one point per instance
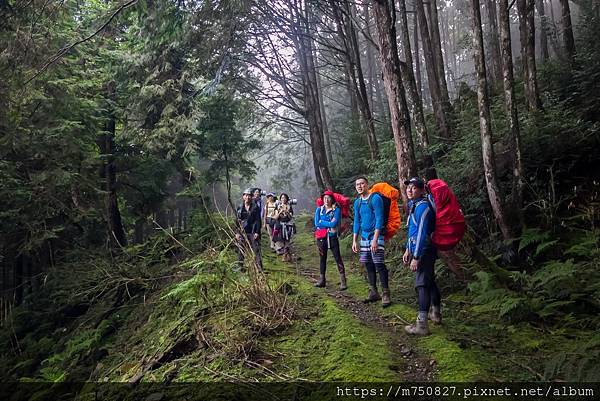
(221, 142)
(548, 290)
(579, 363)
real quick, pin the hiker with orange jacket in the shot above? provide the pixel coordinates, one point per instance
(327, 221)
(369, 225)
(420, 256)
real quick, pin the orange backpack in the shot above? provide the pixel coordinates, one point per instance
(391, 211)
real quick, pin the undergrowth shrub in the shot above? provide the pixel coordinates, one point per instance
(563, 290)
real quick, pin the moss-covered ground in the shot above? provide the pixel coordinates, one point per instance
(469, 345)
(198, 318)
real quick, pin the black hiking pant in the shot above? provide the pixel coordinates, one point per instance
(427, 289)
(334, 244)
(372, 270)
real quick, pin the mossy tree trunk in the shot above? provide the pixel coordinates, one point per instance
(485, 124)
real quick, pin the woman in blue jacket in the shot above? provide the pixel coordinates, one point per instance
(327, 221)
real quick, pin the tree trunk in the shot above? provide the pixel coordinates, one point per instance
(390, 64)
(494, 41)
(449, 55)
(511, 109)
(414, 100)
(116, 232)
(436, 42)
(487, 147)
(525, 10)
(324, 117)
(417, 57)
(312, 111)
(435, 91)
(369, 57)
(544, 53)
(568, 38)
(361, 88)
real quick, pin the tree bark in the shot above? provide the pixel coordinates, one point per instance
(494, 193)
(494, 41)
(106, 143)
(361, 88)
(369, 56)
(544, 53)
(326, 137)
(525, 9)
(435, 91)
(312, 112)
(436, 41)
(414, 100)
(417, 57)
(390, 63)
(568, 38)
(510, 103)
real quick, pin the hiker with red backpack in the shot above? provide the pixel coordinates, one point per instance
(449, 221)
(421, 255)
(327, 223)
(369, 223)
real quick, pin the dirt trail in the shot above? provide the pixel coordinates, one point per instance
(412, 365)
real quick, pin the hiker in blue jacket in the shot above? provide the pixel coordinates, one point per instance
(369, 225)
(421, 254)
(327, 221)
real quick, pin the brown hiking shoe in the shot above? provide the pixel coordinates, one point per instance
(420, 328)
(435, 315)
(321, 282)
(343, 284)
(373, 296)
(385, 299)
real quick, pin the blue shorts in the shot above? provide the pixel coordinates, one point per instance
(368, 256)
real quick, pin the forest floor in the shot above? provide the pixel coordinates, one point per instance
(435, 357)
(194, 319)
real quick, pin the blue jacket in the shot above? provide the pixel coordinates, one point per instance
(330, 220)
(421, 223)
(368, 215)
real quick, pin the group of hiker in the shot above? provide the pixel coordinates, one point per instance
(273, 214)
(434, 224)
(377, 219)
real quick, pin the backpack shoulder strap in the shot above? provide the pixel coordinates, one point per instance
(369, 200)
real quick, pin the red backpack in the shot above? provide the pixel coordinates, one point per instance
(449, 218)
(342, 201)
(344, 204)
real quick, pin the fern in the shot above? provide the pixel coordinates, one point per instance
(579, 364)
(532, 236)
(586, 246)
(542, 247)
(553, 275)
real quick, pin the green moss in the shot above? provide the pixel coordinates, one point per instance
(453, 363)
(335, 347)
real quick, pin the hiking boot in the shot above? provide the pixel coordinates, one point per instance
(420, 328)
(435, 315)
(343, 284)
(385, 299)
(373, 296)
(321, 282)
